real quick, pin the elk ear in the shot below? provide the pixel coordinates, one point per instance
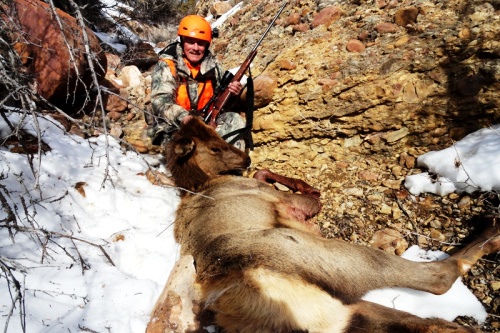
(184, 147)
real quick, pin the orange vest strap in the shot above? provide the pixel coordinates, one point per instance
(205, 88)
(171, 65)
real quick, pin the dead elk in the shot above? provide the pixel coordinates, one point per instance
(261, 268)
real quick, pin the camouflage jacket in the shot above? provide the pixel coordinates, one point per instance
(165, 85)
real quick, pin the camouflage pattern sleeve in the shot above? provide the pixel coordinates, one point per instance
(163, 90)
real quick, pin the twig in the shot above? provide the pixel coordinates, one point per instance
(90, 60)
(49, 234)
(411, 217)
(85, 329)
(83, 264)
(70, 52)
(427, 237)
(16, 295)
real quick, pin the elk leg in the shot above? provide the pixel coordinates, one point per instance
(437, 277)
(265, 300)
(295, 184)
(370, 269)
(375, 318)
(349, 271)
(486, 243)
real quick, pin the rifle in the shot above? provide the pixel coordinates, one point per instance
(222, 94)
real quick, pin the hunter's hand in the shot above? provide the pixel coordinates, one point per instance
(235, 87)
(186, 119)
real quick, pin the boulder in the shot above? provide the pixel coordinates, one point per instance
(406, 16)
(61, 76)
(327, 16)
(142, 55)
(220, 8)
(131, 76)
(355, 45)
(264, 87)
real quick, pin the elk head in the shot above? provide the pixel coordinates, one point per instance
(196, 154)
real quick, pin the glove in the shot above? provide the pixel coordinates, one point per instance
(158, 134)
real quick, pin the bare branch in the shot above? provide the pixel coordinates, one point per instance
(15, 290)
(90, 59)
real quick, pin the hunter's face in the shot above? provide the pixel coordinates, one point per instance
(194, 49)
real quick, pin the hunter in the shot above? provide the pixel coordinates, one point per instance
(183, 81)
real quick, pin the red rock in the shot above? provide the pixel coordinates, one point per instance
(43, 50)
(406, 16)
(114, 103)
(114, 96)
(363, 36)
(355, 45)
(303, 27)
(264, 87)
(367, 175)
(292, 19)
(287, 64)
(220, 7)
(139, 145)
(235, 21)
(381, 3)
(327, 84)
(385, 27)
(114, 116)
(327, 16)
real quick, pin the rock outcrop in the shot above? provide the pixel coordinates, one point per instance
(53, 50)
(372, 76)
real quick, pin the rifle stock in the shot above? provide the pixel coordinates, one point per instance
(226, 94)
(216, 107)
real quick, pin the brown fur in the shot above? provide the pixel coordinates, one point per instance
(262, 269)
(197, 155)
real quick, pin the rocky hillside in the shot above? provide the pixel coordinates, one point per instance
(369, 76)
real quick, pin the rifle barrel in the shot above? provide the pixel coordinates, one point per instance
(269, 26)
(220, 100)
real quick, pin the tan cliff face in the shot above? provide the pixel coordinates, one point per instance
(369, 76)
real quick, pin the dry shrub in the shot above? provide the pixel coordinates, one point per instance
(161, 11)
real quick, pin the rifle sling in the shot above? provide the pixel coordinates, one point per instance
(245, 132)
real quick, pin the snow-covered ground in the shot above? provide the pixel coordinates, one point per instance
(472, 164)
(108, 245)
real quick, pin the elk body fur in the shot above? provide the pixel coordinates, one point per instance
(262, 267)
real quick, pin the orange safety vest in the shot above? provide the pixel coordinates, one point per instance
(205, 88)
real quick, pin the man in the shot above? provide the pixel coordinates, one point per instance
(184, 80)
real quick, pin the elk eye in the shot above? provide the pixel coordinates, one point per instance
(216, 150)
